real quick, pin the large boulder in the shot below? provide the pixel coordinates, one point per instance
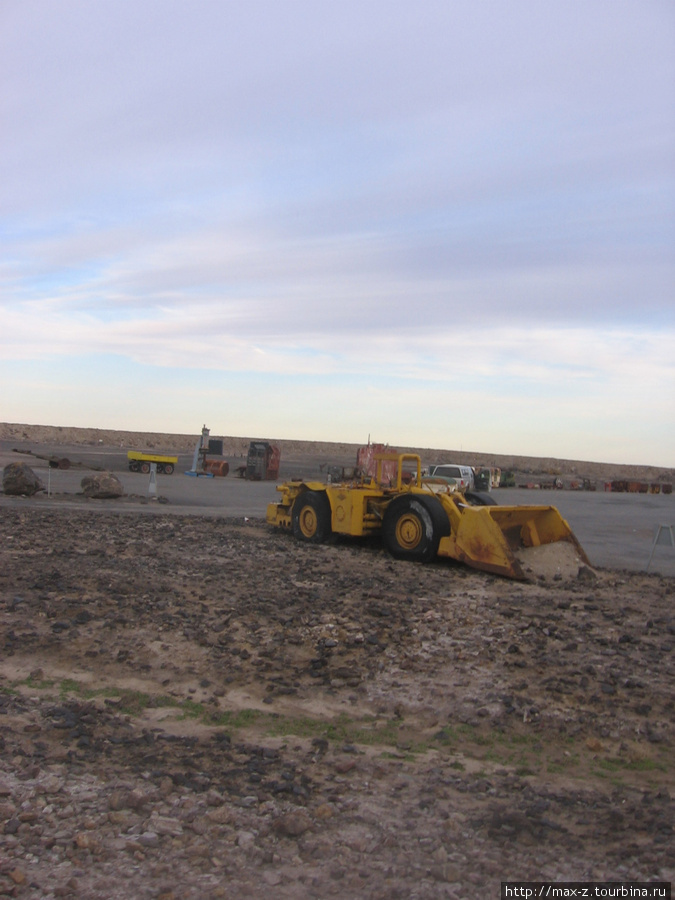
(102, 486)
(21, 480)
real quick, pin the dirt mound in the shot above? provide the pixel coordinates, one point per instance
(559, 560)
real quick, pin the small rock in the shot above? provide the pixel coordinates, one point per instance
(587, 575)
(148, 839)
(445, 872)
(84, 841)
(52, 785)
(166, 825)
(325, 811)
(165, 787)
(220, 815)
(292, 824)
(118, 800)
(245, 840)
(18, 876)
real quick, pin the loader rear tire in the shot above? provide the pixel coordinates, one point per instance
(480, 498)
(411, 529)
(311, 517)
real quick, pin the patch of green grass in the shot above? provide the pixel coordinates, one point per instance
(343, 729)
(617, 769)
(643, 764)
(558, 765)
(526, 753)
(163, 701)
(191, 710)
(131, 703)
(450, 735)
(134, 702)
(496, 746)
(70, 686)
(38, 684)
(241, 718)
(603, 774)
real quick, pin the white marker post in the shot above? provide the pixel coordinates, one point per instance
(152, 486)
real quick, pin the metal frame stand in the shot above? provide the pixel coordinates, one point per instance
(663, 535)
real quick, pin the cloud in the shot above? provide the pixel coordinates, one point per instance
(468, 201)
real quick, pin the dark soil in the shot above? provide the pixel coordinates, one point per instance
(200, 708)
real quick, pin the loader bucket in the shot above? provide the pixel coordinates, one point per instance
(504, 539)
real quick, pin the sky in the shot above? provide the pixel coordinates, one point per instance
(438, 224)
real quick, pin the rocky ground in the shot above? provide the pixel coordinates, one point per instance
(204, 708)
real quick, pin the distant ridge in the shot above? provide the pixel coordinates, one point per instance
(335, 452)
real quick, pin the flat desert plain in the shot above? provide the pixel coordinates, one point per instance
(197, 706)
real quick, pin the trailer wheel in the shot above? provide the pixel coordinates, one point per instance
(168, 468)
(145, 468)
(410, 529)
(480, 498)
(311, 517)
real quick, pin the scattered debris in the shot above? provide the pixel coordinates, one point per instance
(59, 462)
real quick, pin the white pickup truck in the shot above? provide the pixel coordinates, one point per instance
(463, 475)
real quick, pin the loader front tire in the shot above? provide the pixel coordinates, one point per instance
(311, 517)
(410, 530)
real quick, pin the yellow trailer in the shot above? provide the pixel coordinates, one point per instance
(419, 519)
(140, 462)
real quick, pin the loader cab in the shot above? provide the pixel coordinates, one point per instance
(396, 470)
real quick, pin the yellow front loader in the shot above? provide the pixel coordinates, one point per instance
(421, 518)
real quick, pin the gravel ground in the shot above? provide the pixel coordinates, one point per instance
(203, 708)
